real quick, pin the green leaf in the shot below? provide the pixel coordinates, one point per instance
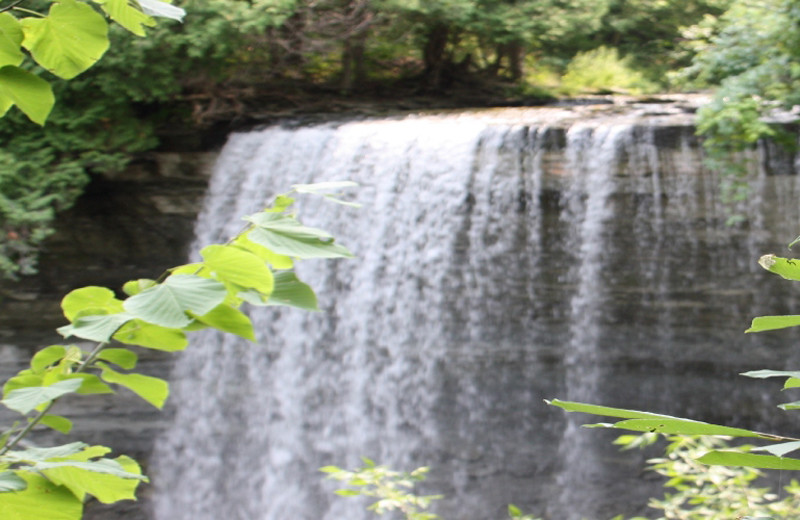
(91, 298)
(58, 423)
(34, 455)
(9, 481)
(95, 327)
(22, 380)
(348, 492)
(289, 290)
(69, 40)
(763, 374)
(90, 384)
(790, 406)
(151, 389)
(136, 286)
(235, 265)
(781, 449)
(32, 95)
(125, 14)
(764, 323)
(784, 267)
(108, 480)
(650, 422)
(750, 460)
(162, 9)
(24, 400)
(10, 40)
(121, 357)
(138, 332)
(229, 319)
(40, 499)
(286, 236)
(46, 357)
(329, 190)
(166, 304)
(274, 259)
(514, 510)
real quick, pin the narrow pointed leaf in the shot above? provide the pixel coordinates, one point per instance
(750, 460)
(795, 405)
(72, 38)
(166, 304)
(151, 389)
(290, 291)
(9, 481)
(764, 323)
(763, 374)
(571, 406)
(25, 400)
(781, 449)
(30, 93)
(785, 267)
(682, 427)
(40, 499)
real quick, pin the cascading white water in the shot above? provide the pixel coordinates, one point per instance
(491, 274)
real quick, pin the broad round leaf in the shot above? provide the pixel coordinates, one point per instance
(166, 304)
(32, 95)
(67, 41)
(235, 265)
(10, 40)
(125, 14)
(90, 298)
(40, 499)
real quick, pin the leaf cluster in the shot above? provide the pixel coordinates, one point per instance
(255, 266)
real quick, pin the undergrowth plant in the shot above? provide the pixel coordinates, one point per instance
(394, 491)
(700, 492)
(254, 267)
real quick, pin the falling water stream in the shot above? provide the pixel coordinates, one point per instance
(503, 257)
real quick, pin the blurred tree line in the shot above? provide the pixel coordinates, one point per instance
(233, 55)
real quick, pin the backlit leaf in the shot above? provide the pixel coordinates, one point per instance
(24, 400)
(89, 299)
(151, 389)
(764, 323)
(30, 93)
(10, 40)
(125, 14)
(67, 41)
(95, 327)
(166, 304)
(41, 499)
(108, 480)
(228, 319)
(162, 9)
(286, 236)
(751, 460)
(58, 423)
(121, 357)
(138, 332)
(235, 265)
(46, 357)
(289, 290)
(785, 267)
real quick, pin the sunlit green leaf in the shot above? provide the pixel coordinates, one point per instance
(235, 265)
(764, 323)
(274, 259)
(138, 332)
(228, 319)
(121, 357)
(166, 304)
(90, 384)
(750, 460)
(30, 93)
(58, 423)
(136, 286)
(289, 290)
(91, 298)
(46, 357)
(108, 480)
(24, 400)
(125, 14)
(69, 40)
(10, 40)
(785, 267)
(41, 499)
(151, 389)
(22, 380)
(33, 455)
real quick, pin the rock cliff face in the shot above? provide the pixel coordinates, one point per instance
(131, 226)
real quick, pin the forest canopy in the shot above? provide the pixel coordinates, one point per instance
(234, 62)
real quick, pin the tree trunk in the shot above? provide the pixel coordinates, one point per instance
(434, 54)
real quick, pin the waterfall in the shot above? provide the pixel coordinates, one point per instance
(502, 258)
